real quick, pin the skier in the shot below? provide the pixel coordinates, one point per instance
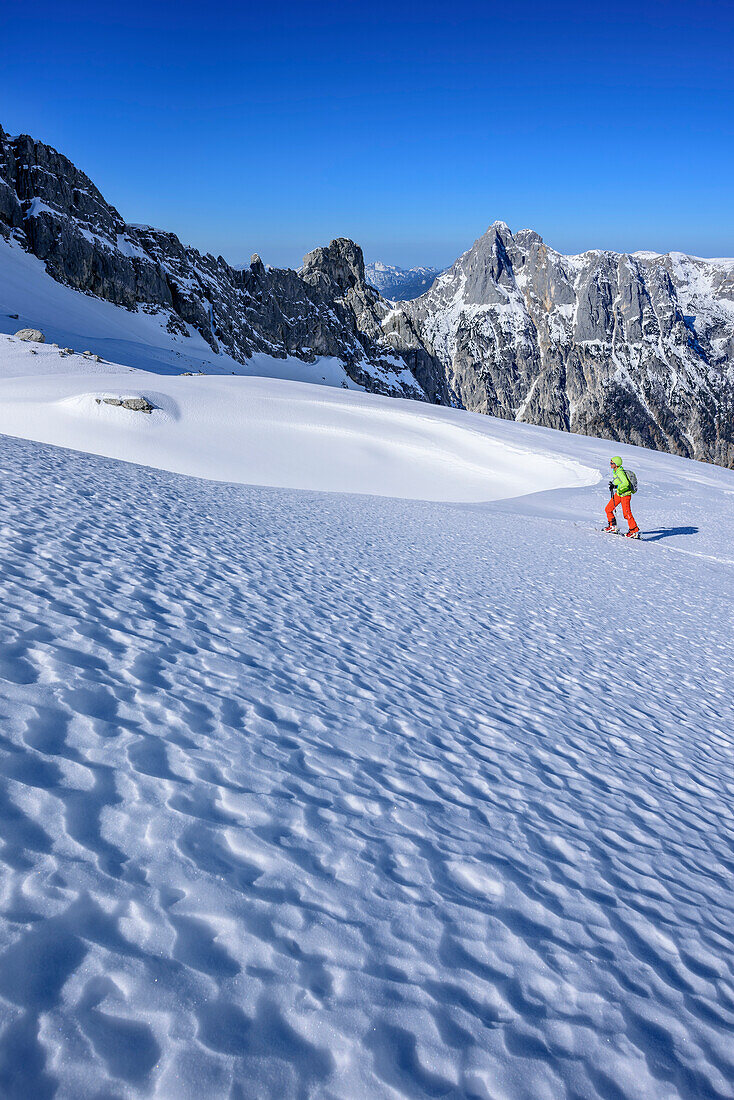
(620, 488)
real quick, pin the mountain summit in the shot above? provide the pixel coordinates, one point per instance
(638, 348)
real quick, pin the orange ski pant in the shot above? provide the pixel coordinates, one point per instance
(626, 510)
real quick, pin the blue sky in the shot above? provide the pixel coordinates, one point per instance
(410, 127)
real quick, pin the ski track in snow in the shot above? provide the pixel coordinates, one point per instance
(338, 796)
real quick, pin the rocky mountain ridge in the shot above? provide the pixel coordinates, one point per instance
(326, 309)
(637, 348)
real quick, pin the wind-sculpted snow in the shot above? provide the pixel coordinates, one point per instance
(320, 795)
(266, 431)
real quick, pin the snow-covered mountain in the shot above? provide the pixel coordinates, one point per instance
(636, 348)
(632, 347)
(326, 309)
(400, 283)
(307, 790)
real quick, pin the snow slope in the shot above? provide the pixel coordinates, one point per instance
(310, 794)
(268, 432)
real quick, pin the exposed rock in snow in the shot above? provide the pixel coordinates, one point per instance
(31, 334)
(134, 404)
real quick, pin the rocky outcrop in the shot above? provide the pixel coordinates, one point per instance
(132, 404)
(31, 334)
(636, 348)
(326, 309)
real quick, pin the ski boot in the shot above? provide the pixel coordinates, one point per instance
(612, 527)
(633, 534)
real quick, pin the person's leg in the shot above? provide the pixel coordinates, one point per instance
(627, 512)
(611, 505)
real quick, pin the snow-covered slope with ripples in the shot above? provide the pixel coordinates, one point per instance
(309, 794)
(269, 432)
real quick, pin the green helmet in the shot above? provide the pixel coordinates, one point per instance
(617, 460)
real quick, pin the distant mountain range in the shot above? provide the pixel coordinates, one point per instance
(635, 348)
(399, 283)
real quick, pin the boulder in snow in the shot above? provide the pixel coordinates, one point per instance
(33, 334)
(134, 404)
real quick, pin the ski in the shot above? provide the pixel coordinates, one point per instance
(620, 534)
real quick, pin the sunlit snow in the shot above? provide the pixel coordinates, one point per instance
(335, 794)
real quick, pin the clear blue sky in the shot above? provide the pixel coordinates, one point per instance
(277, 125)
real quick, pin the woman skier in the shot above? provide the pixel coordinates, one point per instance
(621, 489)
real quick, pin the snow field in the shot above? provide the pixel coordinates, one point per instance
(318, 794)
(270, 432)
(332, 795)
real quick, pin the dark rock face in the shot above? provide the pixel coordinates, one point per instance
(327, 309)
(636, 348)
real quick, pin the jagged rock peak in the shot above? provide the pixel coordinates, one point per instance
(636, 348)
(43, 178)
(487, 266)
(53, 210)
(526, 238)
(341, 262)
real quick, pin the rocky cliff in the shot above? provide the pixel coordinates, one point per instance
(636, 348)
(326, 309)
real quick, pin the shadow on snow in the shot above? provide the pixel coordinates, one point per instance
(666, 532)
